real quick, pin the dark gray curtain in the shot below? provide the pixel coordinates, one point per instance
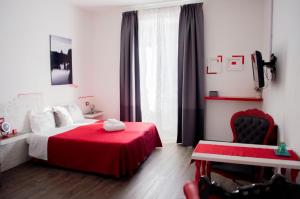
(130, 102)
(191, 75)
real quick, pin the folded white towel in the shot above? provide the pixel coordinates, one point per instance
(113, 126)
(114, 121)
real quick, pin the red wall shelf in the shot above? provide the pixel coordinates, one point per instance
(245, 99)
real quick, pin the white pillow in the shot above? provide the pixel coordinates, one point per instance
(62, 116)
(41, 121)
(75, 112)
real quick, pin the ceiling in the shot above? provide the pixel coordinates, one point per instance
(92, 3)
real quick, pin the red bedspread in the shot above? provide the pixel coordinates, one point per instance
(90, 148)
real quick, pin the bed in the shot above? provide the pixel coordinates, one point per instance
(86, 146)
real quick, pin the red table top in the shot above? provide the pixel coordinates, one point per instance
(243, 151)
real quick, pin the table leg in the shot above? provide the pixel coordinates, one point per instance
(278, 170)
(294, 174)
(282, 171)
(198, 167)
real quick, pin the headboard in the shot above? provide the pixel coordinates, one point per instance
(16, 111)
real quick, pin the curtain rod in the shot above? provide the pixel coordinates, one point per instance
(161, 5)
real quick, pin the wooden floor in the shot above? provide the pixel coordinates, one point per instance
(162, 175)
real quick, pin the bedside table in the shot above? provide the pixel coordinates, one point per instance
(13, 150)
(13, 138)
(95, 115)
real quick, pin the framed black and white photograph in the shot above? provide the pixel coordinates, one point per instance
(61, 60)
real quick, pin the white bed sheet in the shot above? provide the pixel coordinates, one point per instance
(38, 142)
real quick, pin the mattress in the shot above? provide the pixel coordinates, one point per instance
(88, 147)
(38, 142)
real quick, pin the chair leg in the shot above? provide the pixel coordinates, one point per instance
(259, 174)
(208, 169)
(203, 168)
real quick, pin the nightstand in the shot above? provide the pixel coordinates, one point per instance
(13, 138)
(13, 151)
(96, 115)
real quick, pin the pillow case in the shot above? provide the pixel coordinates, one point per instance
(75, 112)
(41, 121)
(62, 116)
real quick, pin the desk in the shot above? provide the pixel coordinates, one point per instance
(248, 154)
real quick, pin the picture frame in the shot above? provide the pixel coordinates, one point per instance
(60, 60)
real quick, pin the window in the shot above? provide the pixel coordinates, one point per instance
(158, 46)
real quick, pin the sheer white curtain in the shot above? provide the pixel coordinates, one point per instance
(158, 47)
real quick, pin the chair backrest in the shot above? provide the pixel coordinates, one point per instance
(252, 126)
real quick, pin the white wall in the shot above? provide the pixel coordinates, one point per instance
(25, 52)
(106, 23)
(232, 27)
(282, 97)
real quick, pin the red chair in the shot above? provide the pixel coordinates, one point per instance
(191, 190)
(252, 127)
